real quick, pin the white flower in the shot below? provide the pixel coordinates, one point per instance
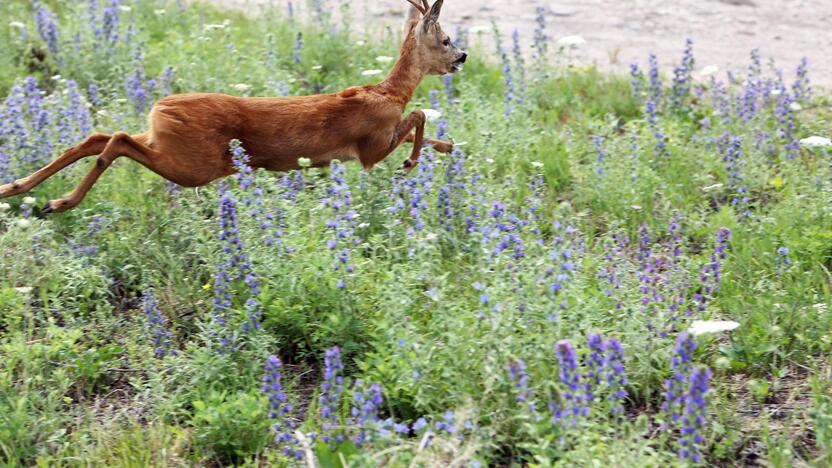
(572, 42)
(17, 24)
(23, 222)
(371, 72)
(430, 236)
(124, 8)
(160, 11)
(384, 59)
(317, 67)
(29, 200)
(709, 70)
(537, 164)
(479, 29)
(4, 206)
(636, 207)
(360, 43)
(701, 327)
(489, 160)
(776, 92)
(24, 289)
(304, 162)
(815, 142)
(241, 87)
(432, 114)
(795, 107)
(211, 27)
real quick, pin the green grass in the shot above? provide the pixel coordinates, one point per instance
(80, 383)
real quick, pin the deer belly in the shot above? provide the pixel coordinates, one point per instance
(348, 153)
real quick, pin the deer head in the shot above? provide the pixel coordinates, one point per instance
(434, 50)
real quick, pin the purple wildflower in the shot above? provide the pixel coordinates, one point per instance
(693, 415)
(297, 48)
(47, 27)
(331, 389)
(280, 410)
(540, 41)
(520, 379)
(156, 324)
(782, 260)
(573, 404)
(682, 79)
(675, 386)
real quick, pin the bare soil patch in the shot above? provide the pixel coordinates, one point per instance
(619, 33)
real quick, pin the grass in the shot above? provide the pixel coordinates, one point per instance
(560, 218)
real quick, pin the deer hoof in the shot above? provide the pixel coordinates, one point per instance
(444, 147)
(56, 206)
(10, 189)
(408, 165)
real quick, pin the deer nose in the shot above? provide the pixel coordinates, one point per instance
(464, 56)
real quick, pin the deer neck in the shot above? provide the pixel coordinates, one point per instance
(406, 75)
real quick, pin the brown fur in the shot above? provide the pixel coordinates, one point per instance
(188, 134)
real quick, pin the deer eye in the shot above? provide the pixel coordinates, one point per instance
(446, 42)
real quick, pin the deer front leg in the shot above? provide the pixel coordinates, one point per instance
(379, 147)
(415, 119)
(438, 145)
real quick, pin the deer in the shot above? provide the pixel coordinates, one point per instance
(188, 135)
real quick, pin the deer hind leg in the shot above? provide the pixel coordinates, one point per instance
(438, 145)
(120, 144)
(93, 145)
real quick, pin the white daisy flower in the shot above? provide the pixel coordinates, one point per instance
(572, 42)
(432, 114)
(304, 162)
(709, 70)
(815, 142)
(371, 72)
(702, 327)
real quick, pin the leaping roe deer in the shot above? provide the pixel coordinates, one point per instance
(188, 135)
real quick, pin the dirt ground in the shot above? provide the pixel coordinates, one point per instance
(621, 32)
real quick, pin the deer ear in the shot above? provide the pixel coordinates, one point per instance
(432, 16)
(411, 20)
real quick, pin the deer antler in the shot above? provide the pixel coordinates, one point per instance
(415, 3)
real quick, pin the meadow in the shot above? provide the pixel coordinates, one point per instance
(546, 295)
